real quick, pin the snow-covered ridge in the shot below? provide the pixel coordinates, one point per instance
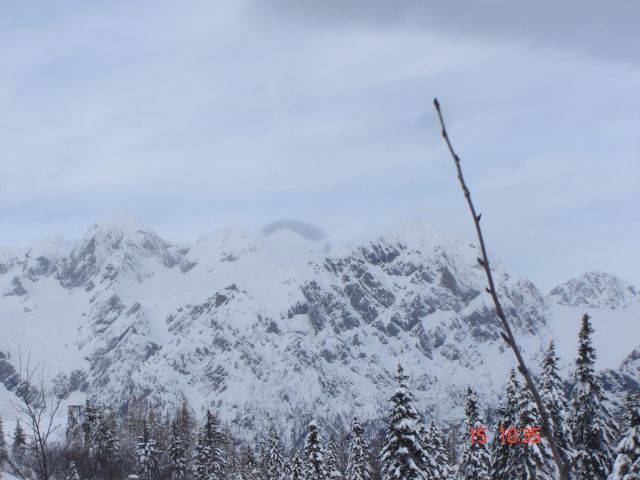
(595, 290)
(244, 321)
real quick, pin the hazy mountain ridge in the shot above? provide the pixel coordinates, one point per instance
(266, 326)
(596, 290)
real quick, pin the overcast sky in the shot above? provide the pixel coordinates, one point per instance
(194, 114)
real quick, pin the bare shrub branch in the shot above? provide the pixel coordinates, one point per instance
(507, 334)
(34, 404)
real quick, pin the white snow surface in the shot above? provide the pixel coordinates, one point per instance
(278, 328)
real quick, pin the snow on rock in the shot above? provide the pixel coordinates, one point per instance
(110, 248)
(631, 364)
(268, 327)
(596, 290)
(9, 257)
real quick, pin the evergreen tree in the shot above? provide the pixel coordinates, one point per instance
(209, 462)
(89, 423)
(74, 430)
(331, 460)
(177, 453)
(297, 469)
(592, 424)
(534, 459)
(147, 454)
(358, 467)
(627, 463)
(314, 455)
(19, 447)
(72, 472)
(248, 466)
(230, 454)
(476, 460)
(555, 402)
(3, 446)
(402, 453)
(274, 461)
(186, 425)
(504, 462)
(104, 441)
(436, 463)
(286, 471)
(202, 456)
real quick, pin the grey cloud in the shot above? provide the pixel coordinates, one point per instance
(605, 29)
(194, 114)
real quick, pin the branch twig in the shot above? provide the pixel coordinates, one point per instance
(507, 335)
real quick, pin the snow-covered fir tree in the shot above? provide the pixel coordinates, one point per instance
(147, 454)
(402, 453)
(534, 460)
(476, 460)
(592, 425)
(73, 433)
(314, 466)
(248, 464)
(286, 472)
(19, 446)
(89, 423)
(202, 456)
(627, 463)
(297, 469)
(208, 459)
(177, 454)
(555, 402)
(331, 460)
(504, 461)
(72, 472)
(186, 425)
(104, 439)
(436, 463)
(358, 467)
(274, 457)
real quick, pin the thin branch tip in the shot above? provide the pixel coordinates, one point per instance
(506, 334)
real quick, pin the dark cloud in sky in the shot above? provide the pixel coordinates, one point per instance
(594, 27)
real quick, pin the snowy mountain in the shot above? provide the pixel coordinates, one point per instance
(596, 290)
(271, 326)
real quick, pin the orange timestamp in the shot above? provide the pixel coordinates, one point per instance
(508, 435)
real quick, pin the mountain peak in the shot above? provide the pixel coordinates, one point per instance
(595, 290)
(111, 246)
(123, 226)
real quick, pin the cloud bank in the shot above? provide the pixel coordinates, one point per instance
(194, 114)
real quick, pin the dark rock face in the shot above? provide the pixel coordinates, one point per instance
(326, 332)
(17, 288)
(43, 267)
(8, 375)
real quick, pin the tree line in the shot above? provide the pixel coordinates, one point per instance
(101, 444)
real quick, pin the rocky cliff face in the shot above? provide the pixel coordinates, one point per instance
(270, 327)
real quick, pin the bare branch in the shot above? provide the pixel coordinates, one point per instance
(34, 404)
(507, 334)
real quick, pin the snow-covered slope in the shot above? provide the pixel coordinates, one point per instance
(596, 290)
(272, 326)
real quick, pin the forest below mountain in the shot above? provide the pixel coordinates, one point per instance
(101, 443)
